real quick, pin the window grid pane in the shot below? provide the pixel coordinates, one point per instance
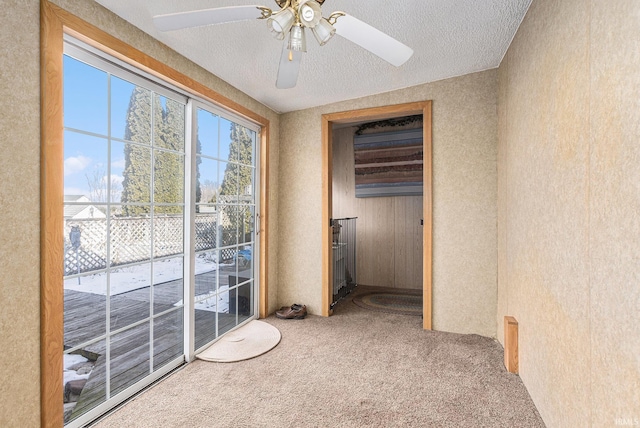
(124, 227)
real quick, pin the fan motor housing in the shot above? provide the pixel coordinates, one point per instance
(282, 3)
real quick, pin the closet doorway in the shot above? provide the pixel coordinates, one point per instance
(372, 115)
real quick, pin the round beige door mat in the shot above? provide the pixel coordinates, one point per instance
(249, 341)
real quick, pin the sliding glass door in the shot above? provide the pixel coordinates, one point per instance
(159, 209)
(225, 208)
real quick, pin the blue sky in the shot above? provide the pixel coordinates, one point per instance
(86, 108)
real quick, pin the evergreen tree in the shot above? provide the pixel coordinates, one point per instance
(238, 175)
(168, 169)
(137, 170)
(168, 166)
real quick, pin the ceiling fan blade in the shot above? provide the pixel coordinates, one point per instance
(373, 40)
(197, 18)
(288, 69)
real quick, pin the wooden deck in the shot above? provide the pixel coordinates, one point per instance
(130, 350)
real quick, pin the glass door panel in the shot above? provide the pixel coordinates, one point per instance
(124, 220)
(225, 207)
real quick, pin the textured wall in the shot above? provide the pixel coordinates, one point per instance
(20, 190)
(615, 211)
(19, 210)
(464, 176)
(568, 208)
(389, 235)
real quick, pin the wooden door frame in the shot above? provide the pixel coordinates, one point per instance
(54, 23)
(372, 114)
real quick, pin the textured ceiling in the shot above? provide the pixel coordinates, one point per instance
(450, 38)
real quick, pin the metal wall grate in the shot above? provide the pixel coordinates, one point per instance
(344, 257)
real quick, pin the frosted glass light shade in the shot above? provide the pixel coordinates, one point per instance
(280, 23)
(297, 39)
(309, 13)
(323, 31)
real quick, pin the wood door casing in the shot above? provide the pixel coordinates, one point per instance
(372, 114)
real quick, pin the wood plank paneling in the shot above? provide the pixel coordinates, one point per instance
(389, 238)
(408, 242)
(380, 240)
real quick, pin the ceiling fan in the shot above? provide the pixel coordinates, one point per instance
(291, 20)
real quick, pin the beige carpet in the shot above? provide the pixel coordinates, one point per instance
(356, 369)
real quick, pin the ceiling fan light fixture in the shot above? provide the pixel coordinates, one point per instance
(297, 39)
(292, 19)
(323, 32)
(309, 13)
(280, 23)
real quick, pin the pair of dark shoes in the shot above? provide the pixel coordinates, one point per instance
(293, 312)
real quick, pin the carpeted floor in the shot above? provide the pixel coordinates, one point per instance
(357, 368)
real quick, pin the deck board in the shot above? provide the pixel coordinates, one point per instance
(85, 319)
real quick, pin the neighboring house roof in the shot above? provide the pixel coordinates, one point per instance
(83, 211)
(78, 211)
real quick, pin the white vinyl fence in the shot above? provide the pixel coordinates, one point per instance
(86, 240)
